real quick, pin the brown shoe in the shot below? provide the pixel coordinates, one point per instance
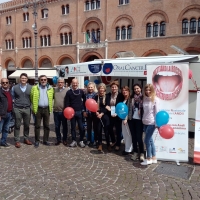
(17, 145)
(100, 148)
(117, 148)
(109, 148)
(28, 142)
(65, 143)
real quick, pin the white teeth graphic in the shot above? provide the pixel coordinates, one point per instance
(166, 73)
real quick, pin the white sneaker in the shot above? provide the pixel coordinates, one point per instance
(141, 157)
(154, 161)
(134, 156)
(73, 144)
(81, 143)
(146, 162)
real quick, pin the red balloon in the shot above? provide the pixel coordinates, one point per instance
(69, 112)
(190, 73)
(91, 105)
(166, 131)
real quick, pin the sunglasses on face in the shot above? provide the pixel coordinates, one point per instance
(4, 83)
(43, 79)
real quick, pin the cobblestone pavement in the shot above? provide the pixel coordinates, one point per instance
(59, 172)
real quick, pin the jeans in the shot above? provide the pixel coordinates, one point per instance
(136, 128)
(4, 127)
(79, 119)
(91, 124)
(58, 120)
(150, 147)
(20, 114)
(42, 113)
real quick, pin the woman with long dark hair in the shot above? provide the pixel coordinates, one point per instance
(115, 97)
(135, 124)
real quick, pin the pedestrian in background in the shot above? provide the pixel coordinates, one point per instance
(136, 125)
(150, 107)
(74, 98)
(58, 107)
(22, 109)
(42, 105)
(90, 93)
(6, 107)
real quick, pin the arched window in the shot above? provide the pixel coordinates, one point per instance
(162, 29)
(70, 38)
(121, 2)
(129, 32)
(93, 5)
(63, 9)
(45, 40)
(148, 30)
(26, 42)
(98, 4)
(87, 5)
(199, 25)
(117, 33)
(155, 29)
(61, 39)
(25, 17)
(185, 26)
(44, 14)
(193, 25)
(9, 44)
(98, 35)
(67, 9)
(123, 33)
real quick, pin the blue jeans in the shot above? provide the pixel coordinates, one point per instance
(79, 119)
(150, 147)
(58, 120)
(4, 127)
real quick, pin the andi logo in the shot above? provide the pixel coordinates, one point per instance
(94, 68)
(107, 68)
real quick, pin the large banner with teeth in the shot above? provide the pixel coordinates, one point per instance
(171, 86)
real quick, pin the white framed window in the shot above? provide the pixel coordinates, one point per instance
(65, 38)
(8, 20)
(123, 2)
(44, 15)
(92, 5)
(9, 44)
(26, 17)
(45, 40)
(65, 9)
(26, 42)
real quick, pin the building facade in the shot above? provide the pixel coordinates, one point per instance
(82, 30)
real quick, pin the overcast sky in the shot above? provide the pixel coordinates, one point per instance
(3, 1)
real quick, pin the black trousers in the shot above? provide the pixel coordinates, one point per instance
(117, 123)
(136, 128)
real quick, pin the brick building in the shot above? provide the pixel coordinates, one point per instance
(82, 30)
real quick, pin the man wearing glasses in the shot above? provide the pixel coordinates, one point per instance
(22, 109)
(58, 107)
(42, 103)
(5, 110)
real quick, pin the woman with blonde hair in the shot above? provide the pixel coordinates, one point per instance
(90, 93)
(102, 118)
(125, 126)
(150, 108)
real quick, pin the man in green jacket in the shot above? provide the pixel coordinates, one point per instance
(42, 106)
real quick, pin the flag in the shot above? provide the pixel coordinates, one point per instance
(88, 40)
(93, 38)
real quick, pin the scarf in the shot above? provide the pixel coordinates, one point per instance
(104, 100)
(113, 99)
(138, 100)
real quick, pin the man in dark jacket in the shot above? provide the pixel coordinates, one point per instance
(22, 109)
(5, 110)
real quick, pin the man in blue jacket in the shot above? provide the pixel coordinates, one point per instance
(6, 106)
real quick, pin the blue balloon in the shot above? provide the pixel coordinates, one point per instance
(162, 118)
(121, 110)
(96, 81)
(86, 82)
(55, 80)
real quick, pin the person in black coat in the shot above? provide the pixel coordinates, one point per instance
(102, 118)
(114, 98)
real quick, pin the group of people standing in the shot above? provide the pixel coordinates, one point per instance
(42, 99)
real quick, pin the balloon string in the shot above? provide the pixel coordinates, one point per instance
(102, 123)
(194, 82)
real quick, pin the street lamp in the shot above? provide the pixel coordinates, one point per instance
(35, 5)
